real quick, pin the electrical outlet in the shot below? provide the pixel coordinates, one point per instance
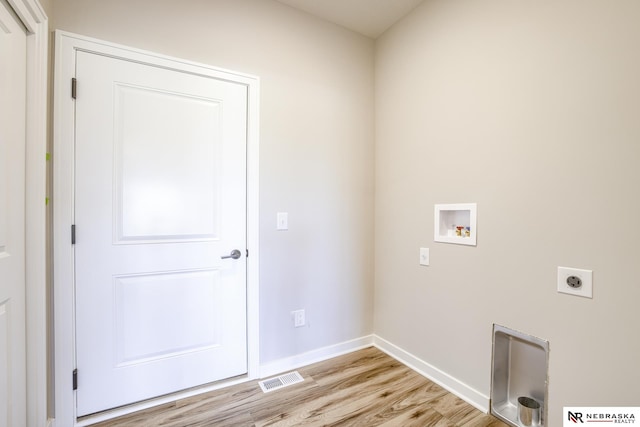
(574, 281)
(298, 318)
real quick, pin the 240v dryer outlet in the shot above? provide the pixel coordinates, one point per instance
(575, 281)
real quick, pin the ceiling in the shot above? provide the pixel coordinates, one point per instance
(368, 17)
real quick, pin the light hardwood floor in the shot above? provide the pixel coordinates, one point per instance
(365, 388)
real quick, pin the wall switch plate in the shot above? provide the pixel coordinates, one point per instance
(424, 256)
(298, 318)
(575, 281)
(282, 221)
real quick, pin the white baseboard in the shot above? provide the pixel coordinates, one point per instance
(446, 381)
(288, 363)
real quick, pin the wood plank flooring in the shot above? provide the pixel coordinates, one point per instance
(365, 388)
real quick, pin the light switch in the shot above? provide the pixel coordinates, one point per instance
(282, 221)
(424, 256)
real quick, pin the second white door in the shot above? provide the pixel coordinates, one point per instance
(13, 93)
(160, 204)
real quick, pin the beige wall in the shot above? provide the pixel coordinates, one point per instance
(47, 7)
(316, 147)
(532, 110)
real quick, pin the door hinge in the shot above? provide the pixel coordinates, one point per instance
(74, 87)
(73, 234)
(75, 379)
(247, 253)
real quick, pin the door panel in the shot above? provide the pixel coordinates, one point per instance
(160, 198)
(166, 190)
(13, 73)
(178, 304)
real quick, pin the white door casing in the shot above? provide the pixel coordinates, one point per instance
(198, 261)
(13, 71)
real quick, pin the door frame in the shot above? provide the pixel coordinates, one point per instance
(66, 45)
(35, 21)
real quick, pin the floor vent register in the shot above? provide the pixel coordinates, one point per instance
(280, 381)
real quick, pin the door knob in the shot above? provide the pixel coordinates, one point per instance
(235, 254)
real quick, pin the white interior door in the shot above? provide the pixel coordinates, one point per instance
(160, 198)
(13, 71)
